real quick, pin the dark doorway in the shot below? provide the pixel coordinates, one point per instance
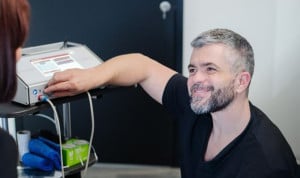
(130, 126)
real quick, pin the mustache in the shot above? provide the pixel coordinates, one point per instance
(200, 86)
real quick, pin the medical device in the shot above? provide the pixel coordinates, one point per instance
(39, 63)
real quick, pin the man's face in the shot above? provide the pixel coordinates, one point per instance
(211, 80)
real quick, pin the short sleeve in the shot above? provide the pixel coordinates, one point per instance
(175, 97)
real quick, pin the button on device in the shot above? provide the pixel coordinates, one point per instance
(35, 92)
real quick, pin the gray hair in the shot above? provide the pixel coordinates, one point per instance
(242, 47)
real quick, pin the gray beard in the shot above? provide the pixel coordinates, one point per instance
(219, 100)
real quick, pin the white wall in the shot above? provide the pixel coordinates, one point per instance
(273, 29)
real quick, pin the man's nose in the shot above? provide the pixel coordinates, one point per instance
(199, 76)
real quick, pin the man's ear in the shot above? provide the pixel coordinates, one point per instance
(242, 81)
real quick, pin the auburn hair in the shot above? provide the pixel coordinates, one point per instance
(14, 27)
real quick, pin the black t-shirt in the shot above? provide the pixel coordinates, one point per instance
(8, 155)
(260, 151)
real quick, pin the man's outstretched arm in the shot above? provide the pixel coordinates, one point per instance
(124, 70)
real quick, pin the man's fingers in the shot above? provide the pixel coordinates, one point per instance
(61, 94)
(58, 77)
(57, 87)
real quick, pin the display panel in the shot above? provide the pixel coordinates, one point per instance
(51, 64)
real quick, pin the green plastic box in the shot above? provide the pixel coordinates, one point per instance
(75, 151)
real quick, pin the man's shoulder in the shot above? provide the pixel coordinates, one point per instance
(262, 126)
(269, 142)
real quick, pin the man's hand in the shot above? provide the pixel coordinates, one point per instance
(68, 83)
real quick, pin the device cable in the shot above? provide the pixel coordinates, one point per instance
(45, 98)
(91, 135)
(48, 118)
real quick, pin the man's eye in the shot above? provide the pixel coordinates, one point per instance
(211, 69)
(192, 70)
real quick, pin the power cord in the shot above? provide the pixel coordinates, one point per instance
(92, 147)
(92, 133)
(57, 124)
(45, 98)
(48, 118)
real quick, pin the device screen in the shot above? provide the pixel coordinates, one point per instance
(51, 64)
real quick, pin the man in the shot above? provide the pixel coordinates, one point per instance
(221, 134)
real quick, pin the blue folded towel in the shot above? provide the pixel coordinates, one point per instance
(40, 148)
(50, 143)
(38, 162)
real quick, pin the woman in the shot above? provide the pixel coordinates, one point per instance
(14, 26)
